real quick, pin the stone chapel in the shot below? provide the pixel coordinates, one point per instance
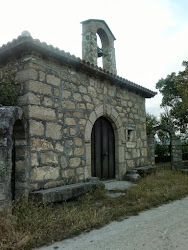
(74, 120)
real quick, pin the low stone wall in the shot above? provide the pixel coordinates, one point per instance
(8, 118)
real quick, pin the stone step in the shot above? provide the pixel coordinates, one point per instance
(117, 185)
(63, 193)
(146, 170)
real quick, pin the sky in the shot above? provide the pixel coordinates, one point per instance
(151, 35)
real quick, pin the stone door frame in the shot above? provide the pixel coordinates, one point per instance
(111, 114)
(176, 148)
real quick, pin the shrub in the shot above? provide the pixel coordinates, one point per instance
(3, 170)
(8, 90)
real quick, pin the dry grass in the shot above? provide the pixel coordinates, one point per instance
(41, 224)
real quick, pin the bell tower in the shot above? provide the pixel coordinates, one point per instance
(90, 50)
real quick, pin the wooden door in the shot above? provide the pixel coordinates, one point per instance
(103, 149)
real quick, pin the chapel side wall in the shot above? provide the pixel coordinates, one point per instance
(57, 101)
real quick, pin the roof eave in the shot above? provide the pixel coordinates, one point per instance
(22, 44)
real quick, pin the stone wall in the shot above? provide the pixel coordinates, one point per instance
(57, 102)
(13, 151)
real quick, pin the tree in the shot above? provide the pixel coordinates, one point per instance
(162, 138)
(151, 121)
(174, 89)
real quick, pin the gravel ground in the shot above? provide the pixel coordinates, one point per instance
(165, 227)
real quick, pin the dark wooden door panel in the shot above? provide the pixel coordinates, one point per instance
(103, 149)
(111, 159)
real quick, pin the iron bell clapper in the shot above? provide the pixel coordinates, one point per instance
(99, 52)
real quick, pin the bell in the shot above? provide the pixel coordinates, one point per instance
(99, 52)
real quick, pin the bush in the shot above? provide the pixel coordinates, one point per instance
(161, 149)
(3, 170)
(8, 90)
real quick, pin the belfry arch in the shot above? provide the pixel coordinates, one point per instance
(176, 150)
(110, 114)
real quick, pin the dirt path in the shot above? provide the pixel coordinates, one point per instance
(165, 227)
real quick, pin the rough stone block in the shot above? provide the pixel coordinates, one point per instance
(78, 141)
(68, 105)
(47, 102)
(146, 170)
(34, 160)
(68, 173)
(29, 98)
(70, 121)
(92, 91)
(82, 89)
(42, 113)
(77, 97)
(40, 144)
(87, 98)
(63, 162)
(53, 130)
(51, 79)
(38, 87)
(49, 157)
(79, 151)
(74, 162)
(27, 74)
(59, 147)
(89, 106)
(45, 173)
(63, 193)
(36, 128)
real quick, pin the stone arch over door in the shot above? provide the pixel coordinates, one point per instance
(111, 114)
(176, 149)
(103, 149)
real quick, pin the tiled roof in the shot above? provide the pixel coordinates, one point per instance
(25, 42)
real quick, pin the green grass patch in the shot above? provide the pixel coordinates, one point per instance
(35, 224)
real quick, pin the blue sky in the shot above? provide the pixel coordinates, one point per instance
(152, 35)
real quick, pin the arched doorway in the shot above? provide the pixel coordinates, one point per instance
(103, 149)
(175, 146)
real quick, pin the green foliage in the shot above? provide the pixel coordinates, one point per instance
(3, 170)
(174, 89)
(151, 121)
(8, 90)
(161, 149)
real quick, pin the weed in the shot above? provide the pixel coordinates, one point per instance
(43, 224)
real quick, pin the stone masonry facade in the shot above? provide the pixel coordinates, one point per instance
(61, 97)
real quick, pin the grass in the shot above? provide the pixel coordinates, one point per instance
(163, 165)
(34, 224)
